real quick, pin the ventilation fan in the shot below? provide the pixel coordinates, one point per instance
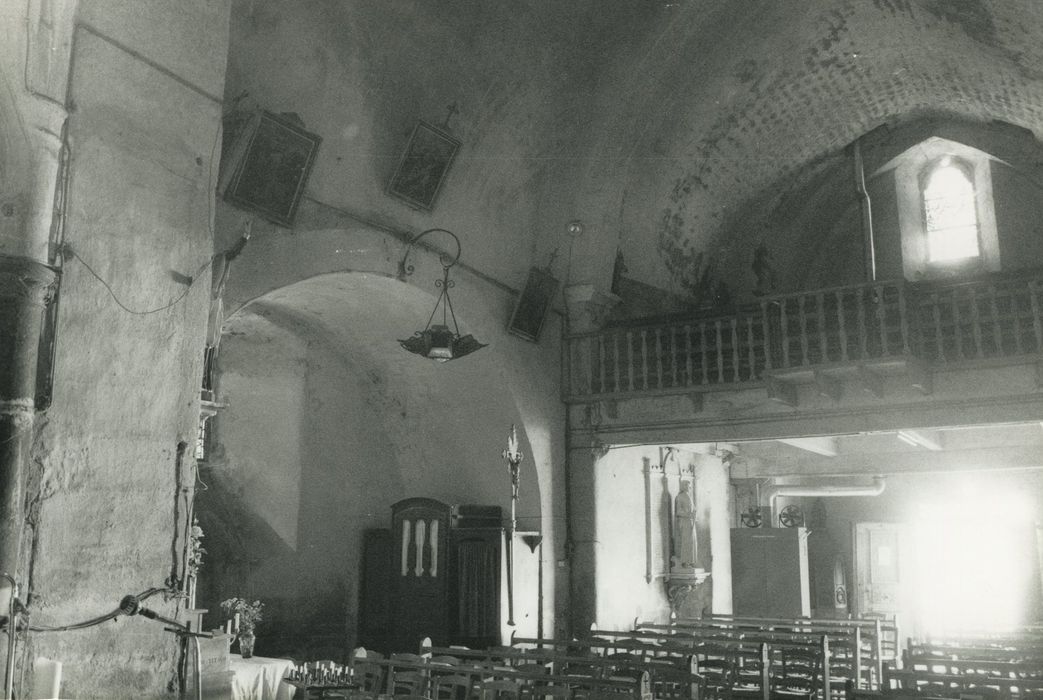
(791, 516)
(752, 517)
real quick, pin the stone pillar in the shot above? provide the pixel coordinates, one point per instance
(582, 544)
(24, 288)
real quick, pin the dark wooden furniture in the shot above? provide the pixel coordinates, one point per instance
(438, 572)
(770, 572)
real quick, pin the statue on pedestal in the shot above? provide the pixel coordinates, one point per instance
(685, 550)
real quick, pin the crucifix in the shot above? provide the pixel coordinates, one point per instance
(514, 458)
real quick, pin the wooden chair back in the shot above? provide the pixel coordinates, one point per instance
(498, 690)
(452, 686)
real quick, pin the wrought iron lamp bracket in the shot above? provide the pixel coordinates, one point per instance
(446, 260)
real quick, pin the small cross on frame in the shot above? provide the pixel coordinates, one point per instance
(453, 110)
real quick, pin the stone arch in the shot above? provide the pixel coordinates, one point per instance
(341, 278)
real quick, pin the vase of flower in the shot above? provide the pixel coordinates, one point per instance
(246, 644)
(244, 617)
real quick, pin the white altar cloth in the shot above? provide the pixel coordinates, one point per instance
(260, 678)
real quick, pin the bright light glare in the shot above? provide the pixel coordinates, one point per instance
(951, 214)
(971, 568)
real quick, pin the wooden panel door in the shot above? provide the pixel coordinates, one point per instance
(878, 567)
(375, 590)
(419, 529)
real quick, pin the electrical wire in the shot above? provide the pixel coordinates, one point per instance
(95, 620)
(211, 197)
(69, 251)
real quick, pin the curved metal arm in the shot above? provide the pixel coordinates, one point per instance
(445, 259)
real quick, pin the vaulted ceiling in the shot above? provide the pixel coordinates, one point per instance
(664, 126)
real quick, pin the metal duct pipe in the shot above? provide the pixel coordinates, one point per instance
(867, 213)
(772, 492)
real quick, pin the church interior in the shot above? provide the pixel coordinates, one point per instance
(399, 324)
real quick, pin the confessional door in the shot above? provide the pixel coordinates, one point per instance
(419, 531)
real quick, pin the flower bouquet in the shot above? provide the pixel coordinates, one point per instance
(245, 616)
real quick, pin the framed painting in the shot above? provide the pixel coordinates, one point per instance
(423, 167)
(271, 170)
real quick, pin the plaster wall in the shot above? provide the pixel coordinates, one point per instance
(634, 517)
(107, 501)
(1019, 217)
(304, 457)
(263, 385)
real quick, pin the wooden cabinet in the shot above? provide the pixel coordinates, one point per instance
(435, 574)
(770, 572)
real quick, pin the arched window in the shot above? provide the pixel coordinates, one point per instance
(950, 211)
(946, 213)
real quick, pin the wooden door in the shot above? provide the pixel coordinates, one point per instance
(419, 529)
(375, 591)
(878, 567)
(474, 590)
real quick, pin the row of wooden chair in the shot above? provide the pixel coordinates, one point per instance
(918, 684)
(793, 666)
(443, 677)
(976, 667)
(881, 633)
(739, 668)
(863, 644)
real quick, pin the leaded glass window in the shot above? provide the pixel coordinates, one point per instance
(950, 213)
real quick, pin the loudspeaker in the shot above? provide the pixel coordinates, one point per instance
(533, 304)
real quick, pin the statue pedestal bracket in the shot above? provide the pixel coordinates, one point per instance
(680, 583)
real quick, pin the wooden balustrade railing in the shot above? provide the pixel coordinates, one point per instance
(996, 317)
